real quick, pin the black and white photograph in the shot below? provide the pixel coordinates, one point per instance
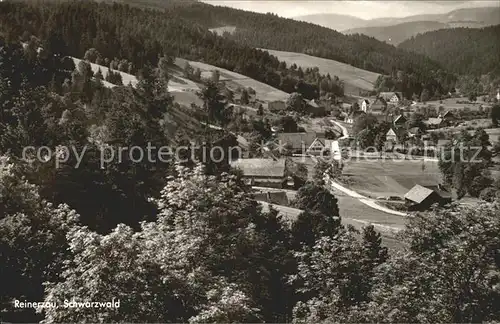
(249, 161)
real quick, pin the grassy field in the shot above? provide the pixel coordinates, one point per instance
(234, 80)
(390, 178)
(355, 79)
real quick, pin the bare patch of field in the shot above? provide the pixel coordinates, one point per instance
(355, 79)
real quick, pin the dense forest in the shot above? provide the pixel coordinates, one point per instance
(464, 51)
(186, 241)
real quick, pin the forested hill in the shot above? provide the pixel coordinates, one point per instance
(463, 51)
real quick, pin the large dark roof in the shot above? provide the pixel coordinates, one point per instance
(260, 167)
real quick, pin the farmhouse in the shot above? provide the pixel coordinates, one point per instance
(421, 198)
(353, 116)
(262, 172)
(392, 97)
(391, 136)
(364, 104)
(276, 106)
(378, 106)
(448, 118)
(296, 142)
(399, 121)
(415, 131)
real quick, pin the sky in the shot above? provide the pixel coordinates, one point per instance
(357, 8)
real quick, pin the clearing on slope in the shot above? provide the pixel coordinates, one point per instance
(356, 80)
(225, 29)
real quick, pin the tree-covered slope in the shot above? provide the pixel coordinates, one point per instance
(464, 51)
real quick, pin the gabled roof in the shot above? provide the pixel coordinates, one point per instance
(242, 142)
(296, 140)
(415, 130)
(363, 100)
(443, 142)
(448, 114)
(312, 103)
(418, 194)
(317, 142)
(260, 167)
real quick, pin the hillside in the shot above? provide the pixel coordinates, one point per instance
(275, 33)
(461, 50)
(469, 17)
(183, 31)
(354, 79)
(396, 34)
(333, 21)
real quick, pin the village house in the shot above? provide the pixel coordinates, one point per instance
(276, 106)
(353, 116)
(420, 198)
(392, 97)
(379, 105)
(434, 123)
(320, 146)
(391, 136)
(414, 132)
(296, 142)
(400, 121)
(262, 172)
(498, 95)
(448, 118)
(364, 104)
(275, 198)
